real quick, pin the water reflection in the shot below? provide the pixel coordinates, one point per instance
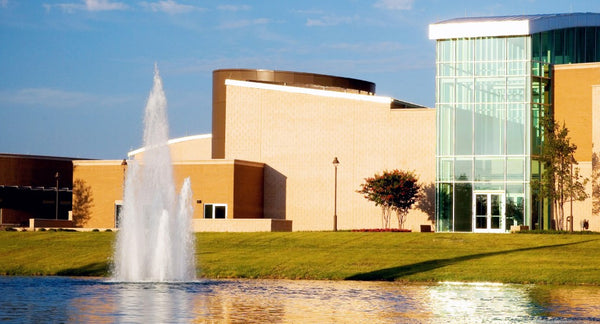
(53, 299)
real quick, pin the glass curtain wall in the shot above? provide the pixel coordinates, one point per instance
(483, 126)
(490, 95)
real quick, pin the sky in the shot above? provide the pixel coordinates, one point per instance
(75, 74)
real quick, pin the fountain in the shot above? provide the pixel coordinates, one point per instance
(155, 242)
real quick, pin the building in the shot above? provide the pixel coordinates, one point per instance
(495, 78)
(37, 188)
(268, 164)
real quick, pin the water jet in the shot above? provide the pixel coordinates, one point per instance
(155, 242)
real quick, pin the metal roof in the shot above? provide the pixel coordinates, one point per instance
(510, 25)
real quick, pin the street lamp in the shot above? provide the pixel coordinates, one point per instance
(335, 162)
(57, 177)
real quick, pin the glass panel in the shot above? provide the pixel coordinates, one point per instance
(220, 212)
(516, 48)
(445, 52)
(464, 90)
(489, 169)
(496, 211)
(536, 54)
(579, 45)
(488, 90)
(446, 170)
(516, 68)
(546, 46)
(569, 50)
(590, 44)
(489, 129)
(597, 42)
(464, 50)
(464, 69)
(446, 89)
(444, 207)
(208, 211)
(464, 130)
(445, 131)
(515, 129)
(490, 49)
(515, 169)
(463, 210)
(463, 169)
(515, 198)
(481, 210)
(536, 131)
(559, 46)
(445, 69)
(515, 89)
(480, 186)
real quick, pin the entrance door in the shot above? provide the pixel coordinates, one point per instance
(488, 212)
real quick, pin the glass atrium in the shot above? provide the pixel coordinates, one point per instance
(490, 94)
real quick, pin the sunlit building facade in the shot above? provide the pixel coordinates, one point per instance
(494, 80)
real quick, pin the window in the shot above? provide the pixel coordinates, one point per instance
(215, 211)
(118, 212)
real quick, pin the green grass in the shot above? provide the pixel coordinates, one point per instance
(523, 258)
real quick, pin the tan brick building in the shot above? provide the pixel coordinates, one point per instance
(275, 135)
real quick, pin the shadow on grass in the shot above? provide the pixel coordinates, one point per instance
(391, 274)
(98, 269)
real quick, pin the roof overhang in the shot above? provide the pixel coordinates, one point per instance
(510, 25)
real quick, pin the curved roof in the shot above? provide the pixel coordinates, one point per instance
(297, 79)
(510, 25)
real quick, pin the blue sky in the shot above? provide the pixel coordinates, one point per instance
(75, 74)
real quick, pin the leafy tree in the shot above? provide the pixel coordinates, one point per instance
(560, 181)
(395, 191)
(83, 201)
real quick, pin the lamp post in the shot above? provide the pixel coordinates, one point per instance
(335, 165)
(57, 177)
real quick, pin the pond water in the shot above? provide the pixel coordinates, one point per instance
(63, 299)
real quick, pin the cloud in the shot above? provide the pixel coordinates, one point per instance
(329, 21)
(3, 3)
(244, 23)
(56, 98)
(234, 8)
(394, 4)
(170, 7)
(368, 47)
(88, 5)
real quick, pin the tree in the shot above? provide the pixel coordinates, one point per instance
(560, 181)
(83, 201)
(393, 191)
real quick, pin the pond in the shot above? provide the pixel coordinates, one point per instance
(64, 299)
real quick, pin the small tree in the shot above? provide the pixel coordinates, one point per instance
(83, 201)
(560, 181)
(393, 191)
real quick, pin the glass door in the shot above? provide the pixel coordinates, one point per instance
(488, 212)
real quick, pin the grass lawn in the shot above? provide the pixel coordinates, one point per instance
(510, 258)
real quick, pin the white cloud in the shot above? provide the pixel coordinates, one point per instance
(329, 21)
(169, 6)
(88, 5)
(244, 23)
(394, 4)
(234, 8)
(3, 3)
(56, 98)
(101, 5)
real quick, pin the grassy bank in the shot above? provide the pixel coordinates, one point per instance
(523, 258)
